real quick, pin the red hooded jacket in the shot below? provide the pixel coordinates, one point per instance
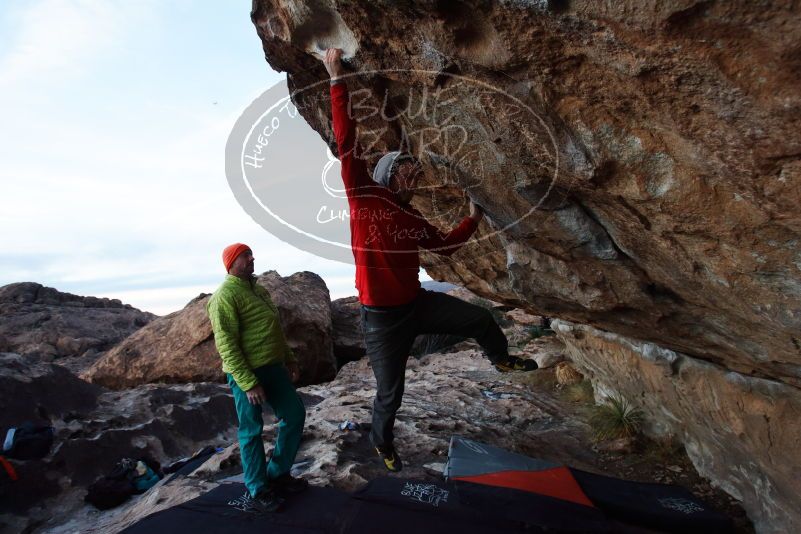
(385, 235)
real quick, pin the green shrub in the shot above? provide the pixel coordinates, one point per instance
(616, 418)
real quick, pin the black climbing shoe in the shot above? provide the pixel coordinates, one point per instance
(390, 458)
(267, 501)
(288, 485)
(513, 363)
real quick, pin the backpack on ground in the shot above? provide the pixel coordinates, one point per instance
(29, 441)
(129, 477)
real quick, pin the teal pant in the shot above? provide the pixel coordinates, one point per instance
(288, 408)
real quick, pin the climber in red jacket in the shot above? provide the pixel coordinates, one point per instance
(386, 233)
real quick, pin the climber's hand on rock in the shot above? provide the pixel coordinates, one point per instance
(256, 395)
(333, 63)
(476, 213)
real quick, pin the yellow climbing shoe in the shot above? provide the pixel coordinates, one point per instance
(390, 458)
(513, 363)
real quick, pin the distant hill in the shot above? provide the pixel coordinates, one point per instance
(441, 287)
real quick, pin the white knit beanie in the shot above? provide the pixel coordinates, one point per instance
(387, 164)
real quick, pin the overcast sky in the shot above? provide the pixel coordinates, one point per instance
(115, 116)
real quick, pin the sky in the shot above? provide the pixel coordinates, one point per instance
(115, 117)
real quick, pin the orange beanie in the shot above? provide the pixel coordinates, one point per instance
(231, 252)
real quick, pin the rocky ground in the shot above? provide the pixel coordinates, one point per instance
(94, 428)
(451, 390)
(451, 393)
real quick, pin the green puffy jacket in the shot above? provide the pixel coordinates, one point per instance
(247, 330)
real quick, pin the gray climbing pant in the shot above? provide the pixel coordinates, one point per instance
(390, 331)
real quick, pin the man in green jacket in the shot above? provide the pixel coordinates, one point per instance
(260, 367)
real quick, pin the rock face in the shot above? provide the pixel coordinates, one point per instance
(39, 321)
(179, 347)
(38, 391)
(639, 163)
(94, 428)
(305, 306)
(740, 431)
(647, 178)
(167, 421)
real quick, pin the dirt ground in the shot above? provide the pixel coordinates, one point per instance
(647, 460)
(447, 394)
(532, 415)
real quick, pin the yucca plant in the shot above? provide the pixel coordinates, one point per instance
(616, 418)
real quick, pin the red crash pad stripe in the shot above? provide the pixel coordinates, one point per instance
(557, 482)
(9, 468)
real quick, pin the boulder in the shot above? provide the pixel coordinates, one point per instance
(305, 306)
(40, 392)
(638, 172)
(94, 427)
(44, 323)
(166, 421)
(638, 165)
(179, 347)
(163, 422)
(347, 330)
